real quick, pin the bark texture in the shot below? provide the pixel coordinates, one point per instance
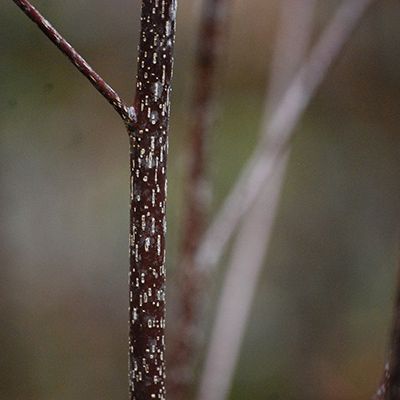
(148, 158)
(147, 122)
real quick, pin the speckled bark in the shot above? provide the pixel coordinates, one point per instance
(148, 155)
(147, 123)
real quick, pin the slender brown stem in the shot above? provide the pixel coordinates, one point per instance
(197, 194)
(389, 388)
(248, 252)
(393, 386)
(127, 113)
(148, 158)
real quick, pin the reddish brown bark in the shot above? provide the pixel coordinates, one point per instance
(148, 152)
(212, 24)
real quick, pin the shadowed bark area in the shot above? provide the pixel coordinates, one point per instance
(148, 157)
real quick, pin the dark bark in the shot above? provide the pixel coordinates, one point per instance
(147, 123)
(148, 157)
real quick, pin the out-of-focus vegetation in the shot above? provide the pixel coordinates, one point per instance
(321, 320)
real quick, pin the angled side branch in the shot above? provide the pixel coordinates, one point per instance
(126, 113)
(279, 131)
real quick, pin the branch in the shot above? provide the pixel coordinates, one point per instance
(197, 195)
(389, 388)
(249, 250)
(279, 131)
(234, 304)
(126, 113)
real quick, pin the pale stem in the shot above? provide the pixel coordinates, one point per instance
(279, 131)
(249, 250)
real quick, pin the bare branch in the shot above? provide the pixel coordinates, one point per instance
(279, 131)
(292, 42)
(234, 304)
(127, 113)
(148, 140)
(197, 196)
(389, 388)
(239, 284)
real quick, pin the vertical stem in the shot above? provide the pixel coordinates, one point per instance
(279, 131)
(148, 157)
(209, 45)
(254, 235)
(197, 194)
(234, 304)
(390, 385)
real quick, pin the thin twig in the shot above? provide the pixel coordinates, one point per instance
(148, 139)
(389, 388)
(239, 284)
(234, 304)
(293, 39)
(127, 113)
(393, 386)
(279, 132)
(197, 195)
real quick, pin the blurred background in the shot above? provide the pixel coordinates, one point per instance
(321, 319)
